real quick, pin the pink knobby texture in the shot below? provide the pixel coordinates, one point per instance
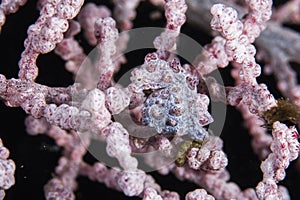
(116, 99)
(124, 12)
(209, 157)
(8, 7)
(168, 195)
(91, 115)
(239, 35)
(7, 170)
(106, 34)
(241, 52)
(175, 15)
(215, 183)
(87, 18)
(118, 146)
(259, 13)
(70, 50)
(198, 194)
(165, 99)
(285, 148)
(151, 194)
(251, 111)
(46, 33)
(280, 66)
(261, 140)
(36, 126)
(62, 186)
(99, 172)
(213, 57)
(257, 97)
(55, 189)
(132, 182)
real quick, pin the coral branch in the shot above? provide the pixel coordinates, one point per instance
(7, 170)
(124, 12)
(285, 148)
(45, 34)
(161, 119)
(8, 7)
(87, 18)
(106, 35)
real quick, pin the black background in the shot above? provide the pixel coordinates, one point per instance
(36, 156)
